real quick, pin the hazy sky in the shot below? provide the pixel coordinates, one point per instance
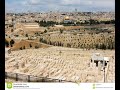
(61, 5)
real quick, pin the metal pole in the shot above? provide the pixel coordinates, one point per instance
(16, 77)
(104, 69)
(104, 74)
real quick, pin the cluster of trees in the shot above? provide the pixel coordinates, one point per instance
(91, 21)
(97, 46)
(12, 42)
(108, 22)
(9, 43)
(43, 41)
(51, 43)
(46, 23)
(103, 46)
(21, 48)
(68, 23)
(55, 43)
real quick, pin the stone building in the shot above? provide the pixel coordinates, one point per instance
(99, 59)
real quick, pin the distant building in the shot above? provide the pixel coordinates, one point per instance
(67, 20)
(58, 25)
(97, 57)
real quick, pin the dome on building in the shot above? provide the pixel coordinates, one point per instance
(67, 18)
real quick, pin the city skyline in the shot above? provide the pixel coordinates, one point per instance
(18, 6)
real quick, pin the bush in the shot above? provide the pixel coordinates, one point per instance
(12, 42)
(26, 35)
(24, 47)
(20, 48)
(36, 47)
(12, 30)
(61, 31)
(6, 43)
(30, 45)
(45, 31)
(96, 46)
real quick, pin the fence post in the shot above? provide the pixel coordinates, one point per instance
(28, 78)
(5, 75)
(16, 77)
(43, 79)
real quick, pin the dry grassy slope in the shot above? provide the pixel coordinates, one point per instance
(8, 39)
(27, 43)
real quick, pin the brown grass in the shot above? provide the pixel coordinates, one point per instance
(27, 43)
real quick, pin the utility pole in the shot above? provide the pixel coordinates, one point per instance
(90, 18)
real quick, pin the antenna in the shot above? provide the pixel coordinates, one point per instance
(59, 17)
(75, 9)
(13, 21)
